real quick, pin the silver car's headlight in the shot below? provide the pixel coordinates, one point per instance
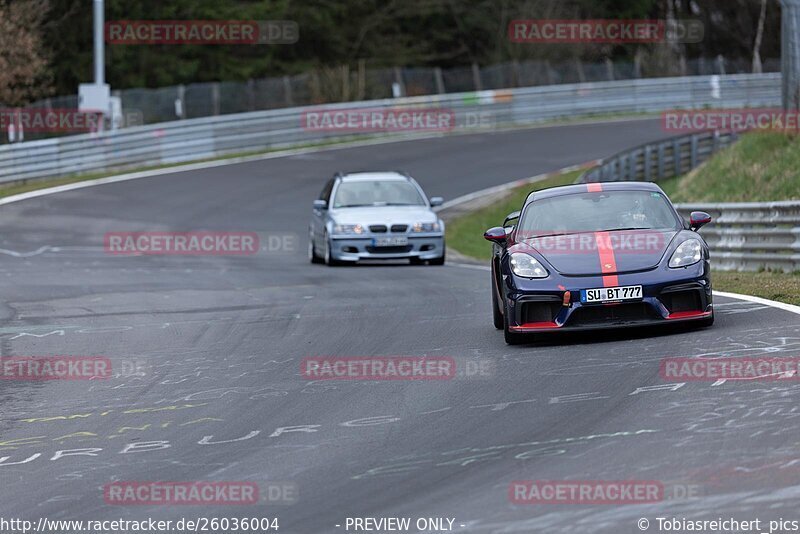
(353, 229)
(527, 266)
(419, 228)
(688, 253)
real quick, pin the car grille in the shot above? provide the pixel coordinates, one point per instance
(378, 228)
(389, 250)
(598, 314)
(539, 312)
(399, 228)
(679, 301)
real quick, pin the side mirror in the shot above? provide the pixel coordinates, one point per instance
(320, 205)
(698, 219)
(436, 201)
(510, 217)
(496, 235)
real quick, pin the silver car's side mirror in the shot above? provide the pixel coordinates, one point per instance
(320, 205)
(436, 201)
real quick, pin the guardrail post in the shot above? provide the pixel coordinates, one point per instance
(693, 151)
(476, 77)
(648, 150)
(287, 91)
(609, 69)
(437, 74)
(661, 157)
(676, 157)
(215, 98)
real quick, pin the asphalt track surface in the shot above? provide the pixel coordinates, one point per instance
(219, 341)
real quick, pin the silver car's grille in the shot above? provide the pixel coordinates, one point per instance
(378, 228)
(399, 228)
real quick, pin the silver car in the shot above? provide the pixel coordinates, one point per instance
(375, 215)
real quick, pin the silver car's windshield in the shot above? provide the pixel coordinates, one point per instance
(377, 193)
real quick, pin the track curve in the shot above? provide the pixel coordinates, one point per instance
(220, 340)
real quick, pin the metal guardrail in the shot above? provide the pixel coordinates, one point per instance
(743, 236)
(751, 236)
(192, 139)
(659, 160)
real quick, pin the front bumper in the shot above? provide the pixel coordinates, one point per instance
(670, 296)
(422, 246)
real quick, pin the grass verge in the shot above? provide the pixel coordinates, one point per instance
(465, 234)
(783, 287)
(761, 167)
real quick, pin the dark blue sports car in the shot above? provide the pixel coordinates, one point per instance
(597, 255)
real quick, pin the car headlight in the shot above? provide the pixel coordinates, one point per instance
(688, 253)
(419, 228)
(356, 229)
(527, 266)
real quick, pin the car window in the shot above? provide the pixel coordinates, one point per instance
(377, 193)
(325, 194)
(595, 212)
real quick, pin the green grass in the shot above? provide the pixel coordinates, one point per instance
(762, 166)
(465, 233)
(783, 287)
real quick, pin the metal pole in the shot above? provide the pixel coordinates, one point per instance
(99, 51)
(790, 53)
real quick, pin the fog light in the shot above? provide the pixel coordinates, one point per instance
(567, 298)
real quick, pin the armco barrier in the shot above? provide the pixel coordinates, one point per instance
(743, 236)
(181, 141)
(661, 159)
(753, 235)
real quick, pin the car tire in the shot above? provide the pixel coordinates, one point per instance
(437, 261)
(512, 338)
(707, 322)
(312, 251)
(497, 316)
(329, 260)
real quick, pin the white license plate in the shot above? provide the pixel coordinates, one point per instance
(390, 242)
(609, 294)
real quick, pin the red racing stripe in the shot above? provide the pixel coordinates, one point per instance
(595, 187)
(608, 262)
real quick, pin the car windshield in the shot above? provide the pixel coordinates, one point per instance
(377, 193)
(597, 212)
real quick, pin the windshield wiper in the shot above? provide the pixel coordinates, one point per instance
(555, 235)
(624, 229)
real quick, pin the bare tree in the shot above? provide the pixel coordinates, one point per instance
(23, 61)
(759, 36)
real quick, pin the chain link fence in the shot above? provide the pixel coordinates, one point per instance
(343, 84)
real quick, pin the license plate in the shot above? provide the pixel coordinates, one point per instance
(390, 242)
(611, 294)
